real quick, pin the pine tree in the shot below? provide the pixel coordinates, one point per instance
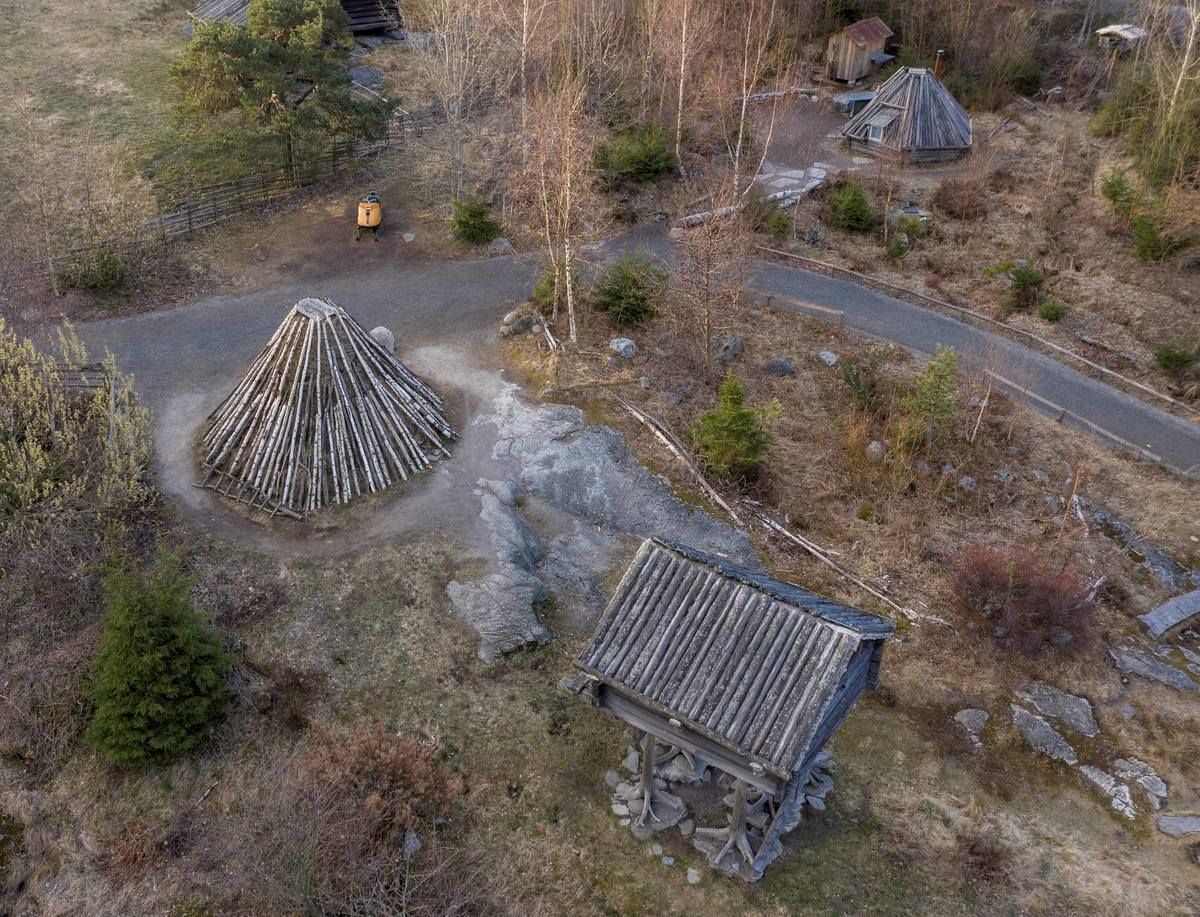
(731, 439)
(158, 672)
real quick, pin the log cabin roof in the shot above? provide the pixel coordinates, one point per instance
(928, 116)
(365, 15)
(867, 31)
(747, 661)
(235, 11)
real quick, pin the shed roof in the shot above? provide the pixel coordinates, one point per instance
(1126, 32)
(744, 659)
(868, 31)
(929, 119)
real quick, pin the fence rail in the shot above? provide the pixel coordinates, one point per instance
(207, 205)
(775, 297)
(898, 292)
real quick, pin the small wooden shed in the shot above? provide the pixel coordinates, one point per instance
(857, 49)
(913, 118)
(749, 673)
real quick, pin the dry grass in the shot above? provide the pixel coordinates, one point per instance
(893, 526)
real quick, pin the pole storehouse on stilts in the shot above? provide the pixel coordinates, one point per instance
(719, 666)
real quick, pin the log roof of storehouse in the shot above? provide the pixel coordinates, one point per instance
(737, 665)
(365, 15)
(867, 31)
(235, 11)
(325, 413)
(915, 112)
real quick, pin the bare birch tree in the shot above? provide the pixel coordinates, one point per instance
(711, 268)
(755, 21)
(458, 61)
(558, 181)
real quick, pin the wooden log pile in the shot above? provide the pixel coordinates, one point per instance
(324, 414)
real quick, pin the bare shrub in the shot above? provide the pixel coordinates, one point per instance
(235, 594)
(43, 700)
(1003, 179)
(292, 691)
(1029, 603)
(133, 853)
(442, 880)
(983, 854)
(326, 826)
(961, 198)
(397, 781)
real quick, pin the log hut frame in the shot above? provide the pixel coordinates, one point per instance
(749, 673)
(325, 413)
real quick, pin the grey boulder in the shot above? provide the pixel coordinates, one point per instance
(728, 349)
(385, 338)
(1042, 736)
(1075, 711)
(779, 367)
(623, 347)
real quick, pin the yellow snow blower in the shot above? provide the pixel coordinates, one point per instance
(370, 215)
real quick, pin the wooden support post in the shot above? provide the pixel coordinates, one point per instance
(647, 777)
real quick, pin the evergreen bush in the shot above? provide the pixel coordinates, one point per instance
(731, 439)
(1120, 192)
(1176, 357)
(779, 225)
(1052, 310)
(544, 290)
(862, 381)
(473, 221)
(932, 401)
(850, 210)
(1027, 280)
(640, 154)
(158, 672)
(631, 290)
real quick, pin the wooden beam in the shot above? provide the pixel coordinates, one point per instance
(676, 733)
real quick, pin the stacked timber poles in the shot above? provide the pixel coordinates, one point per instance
(324, 414)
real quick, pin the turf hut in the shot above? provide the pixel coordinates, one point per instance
(913, 118)
(723, 667)
(324, 414)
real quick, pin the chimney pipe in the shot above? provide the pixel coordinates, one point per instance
(937, 67)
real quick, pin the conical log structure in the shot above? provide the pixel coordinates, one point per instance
(324, 414)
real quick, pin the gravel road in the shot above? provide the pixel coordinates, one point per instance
(444, 316)
(1175, 440)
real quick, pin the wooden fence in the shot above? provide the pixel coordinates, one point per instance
(904, 293)
(207, 205)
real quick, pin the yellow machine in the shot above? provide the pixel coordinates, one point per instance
(370, 215)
